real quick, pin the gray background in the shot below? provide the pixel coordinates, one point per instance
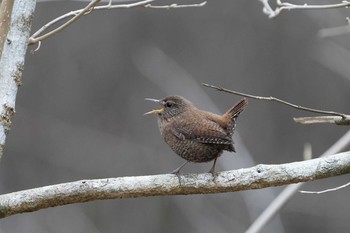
(80, 112)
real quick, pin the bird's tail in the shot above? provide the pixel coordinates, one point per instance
(234, 112)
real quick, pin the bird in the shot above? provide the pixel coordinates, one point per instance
(193, 134)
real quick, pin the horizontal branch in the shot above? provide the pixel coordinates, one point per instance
(175, 5)
(257, 177)
(267, 9)
(323, 120)
(75, 15)
(344, 118)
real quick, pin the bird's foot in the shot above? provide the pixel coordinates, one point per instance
(212, 171)
(177, 173)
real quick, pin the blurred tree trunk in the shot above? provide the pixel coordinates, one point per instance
(14, 48)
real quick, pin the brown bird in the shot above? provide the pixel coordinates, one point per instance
(196, 135)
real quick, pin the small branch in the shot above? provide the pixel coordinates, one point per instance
(327, 190)
(271, 98)
(35, 38)
(257, 177)
(84, 11)
(267, 9)
(323, 120)
(175, 6)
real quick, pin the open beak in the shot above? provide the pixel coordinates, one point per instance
(157, 111)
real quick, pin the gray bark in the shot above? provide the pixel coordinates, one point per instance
(12, 63)
(257, 177)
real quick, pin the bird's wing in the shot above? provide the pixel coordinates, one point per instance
(203, 131)
(211, 133)
(178, 134)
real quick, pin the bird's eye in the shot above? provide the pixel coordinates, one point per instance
(169, 105)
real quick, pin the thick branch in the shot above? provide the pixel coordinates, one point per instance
(5, 18)
(12, 62)
(257, 177)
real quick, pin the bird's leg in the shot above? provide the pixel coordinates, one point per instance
(177, 170)
(212, 169)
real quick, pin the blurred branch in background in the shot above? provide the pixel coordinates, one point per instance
(335, 31)
(327, 190)
(334, 56)
(336, 118)
(75, 15)
(268, 10)
(272, 210)
(257, 177)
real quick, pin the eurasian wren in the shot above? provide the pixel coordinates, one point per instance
(196, 135)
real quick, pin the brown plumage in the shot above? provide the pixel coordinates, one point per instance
(196, 135)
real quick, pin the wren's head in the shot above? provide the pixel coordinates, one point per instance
(171, 106)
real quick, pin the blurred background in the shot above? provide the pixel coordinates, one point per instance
(79, 113)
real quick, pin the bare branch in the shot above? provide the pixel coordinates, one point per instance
(327, 190)
(75, 15)
(267, 9)
(323, 120)
(257, 177)
(84, 11)
(271, 98)
(12, 63)
(175, 6)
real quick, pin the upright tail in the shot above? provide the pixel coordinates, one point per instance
(234, 112)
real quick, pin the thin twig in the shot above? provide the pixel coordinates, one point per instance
(267, 9)
(327, 190)
(35, 38)
(86, 10)
(175, 5)
(271, 98)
